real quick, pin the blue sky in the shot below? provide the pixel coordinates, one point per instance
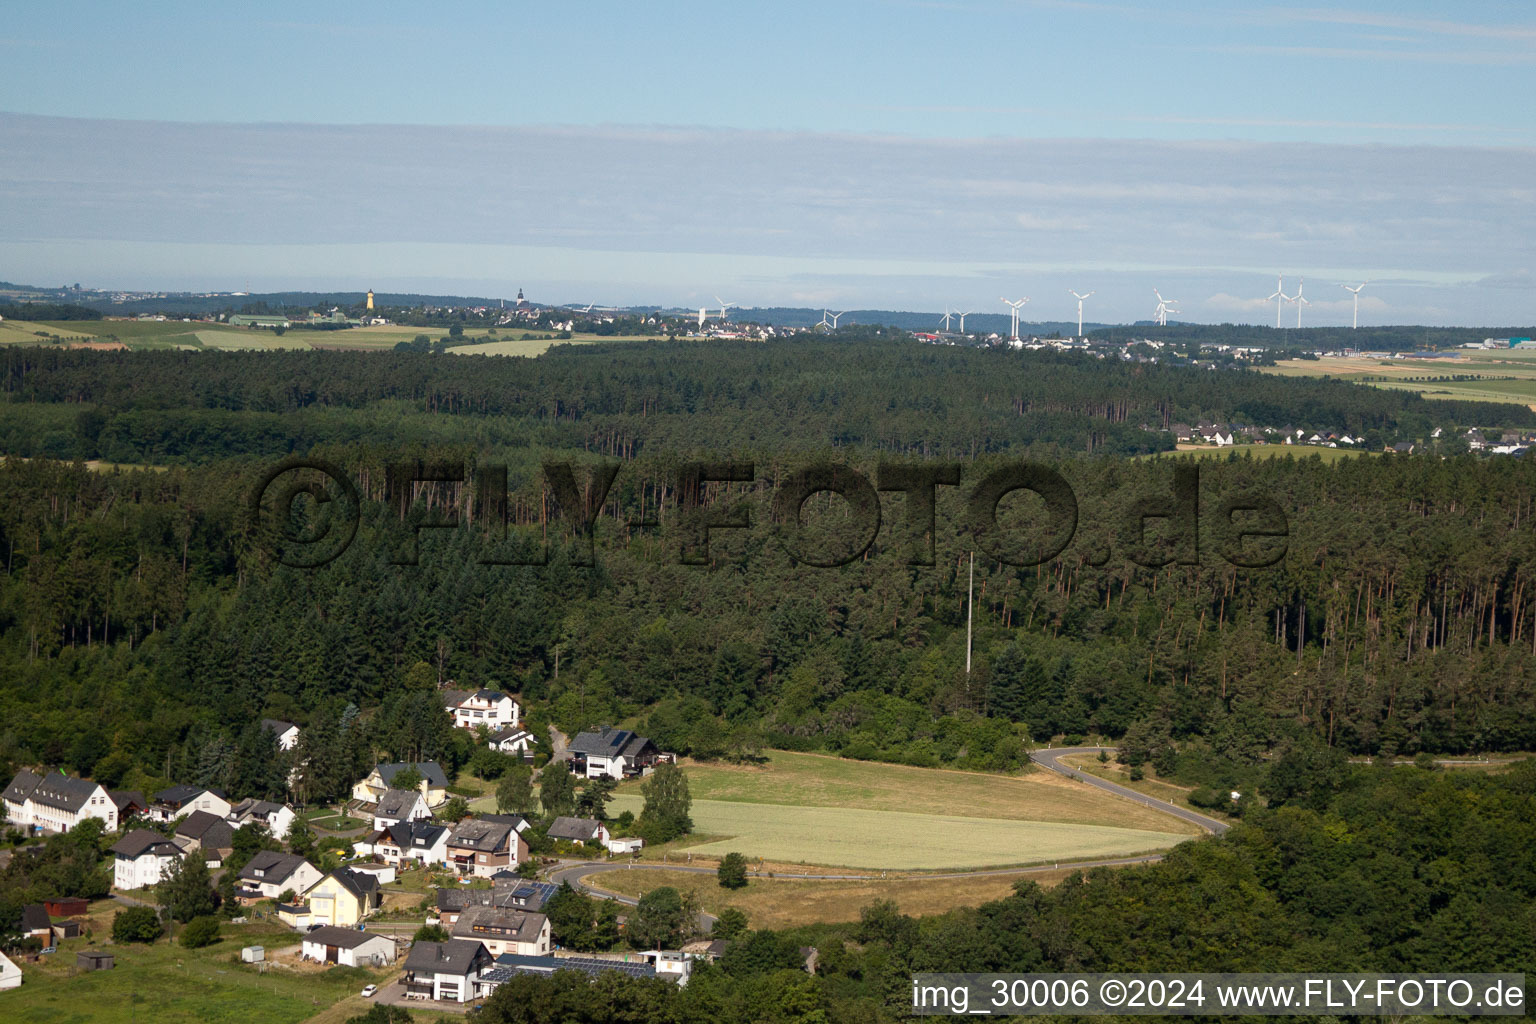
(906, 154)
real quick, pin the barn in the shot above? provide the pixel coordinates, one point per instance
(348, 946)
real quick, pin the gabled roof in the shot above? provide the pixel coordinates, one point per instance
(413, 835)
(34, 918)
(250, 807)
(574, 828)
(512, 733)
(360, 884)
(342, 938)
(456, 956)
(179, 794)
(126, 798)
(274, 866)
(22, 786)
(486, 836)
(397, 803)
(430, 770)
(498, 923)
(277, 725)
(525, 896)
(609, 742)
(453, 698)
(61, 791)
(141, 841)
(197, 824)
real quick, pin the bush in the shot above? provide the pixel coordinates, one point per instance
(200, 932)
(431, 933)
(136, 924)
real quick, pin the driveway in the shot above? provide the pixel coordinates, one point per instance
(1052, 759)
(393, 994)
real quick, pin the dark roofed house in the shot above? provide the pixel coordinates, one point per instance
(270, 873)
(434, 784)
(141, 858)
(524, 895)
(514, 740)
(182, 799)
(210, 834)
(482, 848)
(129, 802)
(286, 733)
(57, 803)
(578, 830)
(397, 805)
(36, 924)
(348, 946)
(504, 930)
(16, 796)
(445, 970)
(615, 753)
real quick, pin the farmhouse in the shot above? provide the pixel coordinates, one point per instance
(349, 947)
(490, 708)
(269, 874)
(286, 733)
(484, 847)
(141, 858)
(57, 803)
(578, 830)
(504, 931)
(445, 970)
(615, 753)
(397, 805)
(170, 804)
(434, 784)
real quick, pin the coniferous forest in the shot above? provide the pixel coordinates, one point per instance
(147, 621)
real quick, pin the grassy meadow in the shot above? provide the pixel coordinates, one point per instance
(1485, 375)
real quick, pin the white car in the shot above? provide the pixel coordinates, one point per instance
(369, 991)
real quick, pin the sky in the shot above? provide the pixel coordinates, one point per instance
(907, 155)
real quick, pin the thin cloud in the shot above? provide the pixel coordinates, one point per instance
(1428, 26)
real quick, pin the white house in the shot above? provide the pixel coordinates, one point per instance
(579, 830)
(397, 805)
(445, 970)
(490, 708)
(616, 753)
(141, 858)
(514, 740)
(181, 800)
(434, 784)
(10, 974)
(286, 732)
(276, 818)
(406, 842)
(269, 874)
(348, 946)
(56, 802)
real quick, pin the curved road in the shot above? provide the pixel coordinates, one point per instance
(1052, 759)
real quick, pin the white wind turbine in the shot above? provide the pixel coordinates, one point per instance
(1279, 297)
(1164, 307)
(1356, 290)
(1080, 299)
(835, 317)
(1300, 299)
(962, 317)
(1014, 313)
(947, 315)
(824, 322)
(723, 306)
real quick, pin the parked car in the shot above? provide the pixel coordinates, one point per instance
(369, 991)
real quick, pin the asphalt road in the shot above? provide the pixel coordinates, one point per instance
(1052, 759)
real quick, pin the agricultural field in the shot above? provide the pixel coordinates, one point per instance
(1483, 375)
(788, 903)
(535, 346)
(815, 809)
(166, 984)
(1260, 451)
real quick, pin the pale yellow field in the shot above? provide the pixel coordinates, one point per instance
(513, 347)
(22, 332)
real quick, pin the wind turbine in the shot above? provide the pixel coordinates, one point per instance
(1164, 307)
(834, 316)
(1080, 299)
(1014, 308)
(947, 315)
(962, 317)
(1356, 290)
(1279, 298)
(723, 306)
(823, 322)
(1300, 300)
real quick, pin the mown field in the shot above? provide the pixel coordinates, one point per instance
(1486, 375)
(815, 809)
(1262, 451)
(163, 982)
(786, 903)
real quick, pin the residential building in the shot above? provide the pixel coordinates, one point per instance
(445, 970)
(578, 830)
(615, 753)
(287, 733)
(276, 818)
(270, 873)
(348, 947)
(142, 858)
(180, 800)
(208, 834)
(342, 898)
(521, 932)
(397, 805)
(484, 847)
(514, 740)
(10, 974)
(518, 895)
(16, 796)
(56, 802)
(490, 708)
(508, 966)
(129, 802)
(434, 784)
(419, 842)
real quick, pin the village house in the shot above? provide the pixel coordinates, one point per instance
(142, 858)
(490, 708)
(180, 800)
(517, 894)
(419, 842)
(578, 830)
(515, 741)
(208, 834)
(10, 974)
(397, 805)
(433, 787)
(348, 947)
(286, 733)
(343, 898)
(276, 818)
(521, 932)
(482, 848)
(56, 802)
(614, 753)
(269, 874)
(130, 803)
(445, 970)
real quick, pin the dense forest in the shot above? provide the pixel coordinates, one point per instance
(145, 623)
